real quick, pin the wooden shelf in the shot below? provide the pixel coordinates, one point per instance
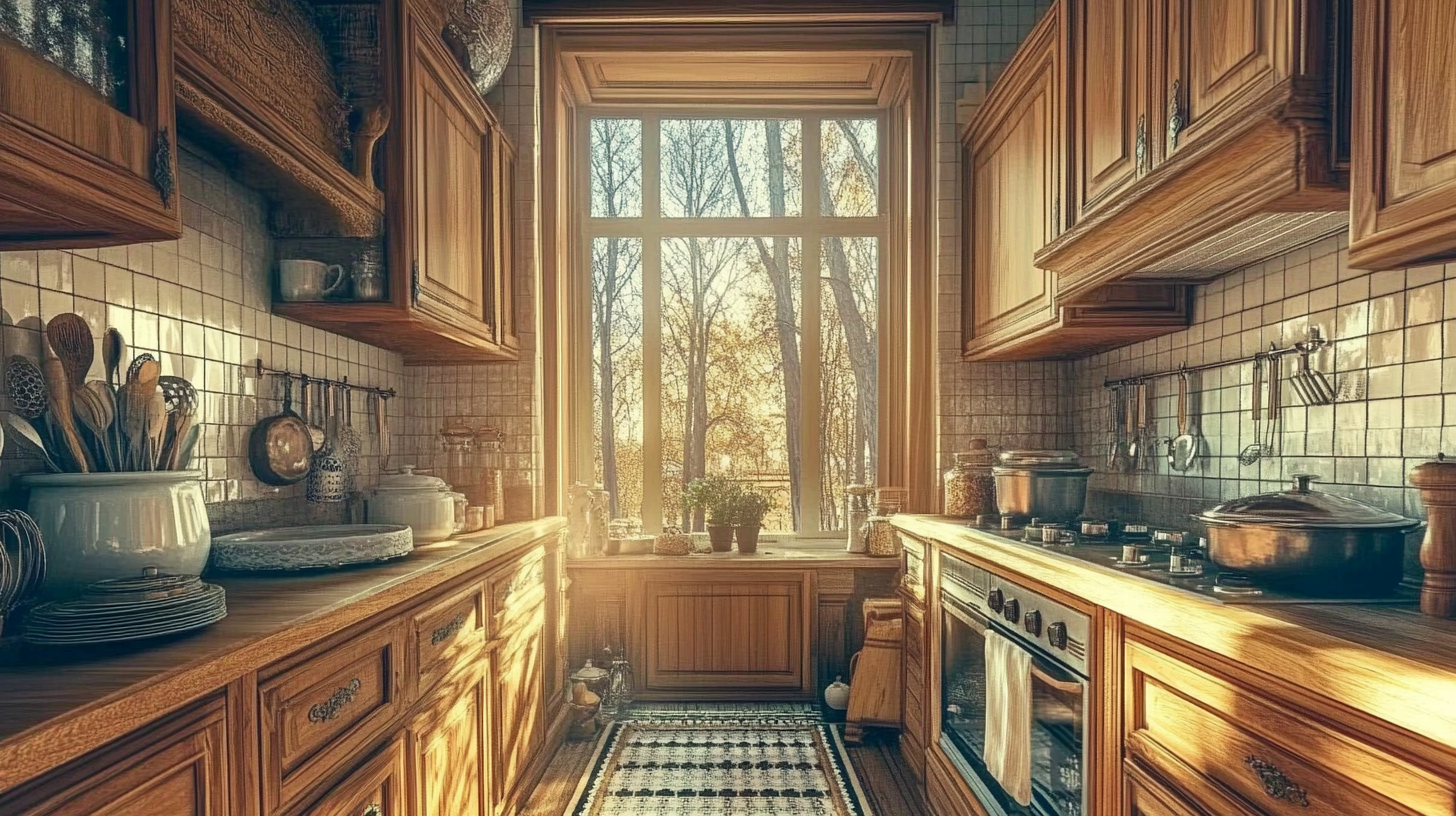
(421, 339)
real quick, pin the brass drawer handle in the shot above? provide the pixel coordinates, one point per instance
(1175, 116)
(330, 708)
(447, 631)
(373, 810)
(1275, 783)
(1140, 149)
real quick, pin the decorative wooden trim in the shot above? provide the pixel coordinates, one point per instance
(537, 12)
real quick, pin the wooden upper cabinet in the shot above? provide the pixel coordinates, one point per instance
(1403, 159)
(1221, 55)
(1109, 51)
(87, 136)
(504, 207)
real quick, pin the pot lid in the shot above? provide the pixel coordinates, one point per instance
(588, 673)
(1034, 458)
(979, 453)
(406, 480)
(1302, 507)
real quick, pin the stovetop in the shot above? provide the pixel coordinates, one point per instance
(1152, 564)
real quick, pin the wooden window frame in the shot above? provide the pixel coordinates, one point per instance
(908, 452)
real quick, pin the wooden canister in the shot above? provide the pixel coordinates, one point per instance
(1437, 482)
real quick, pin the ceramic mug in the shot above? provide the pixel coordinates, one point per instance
(309, 280)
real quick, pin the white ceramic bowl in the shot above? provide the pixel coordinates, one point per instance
(423, 503)
(115, 525)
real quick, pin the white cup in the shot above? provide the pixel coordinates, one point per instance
(308, 280)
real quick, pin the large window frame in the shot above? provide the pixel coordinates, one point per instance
(810, 226)
(907, 443)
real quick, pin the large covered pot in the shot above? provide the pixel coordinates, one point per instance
(1310, 541)
(1050, 485)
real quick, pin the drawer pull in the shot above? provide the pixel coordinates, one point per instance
(447, 631)
(373, 810)
(330, 708)
(1275, 783)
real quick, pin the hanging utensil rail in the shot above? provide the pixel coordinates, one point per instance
(1314, 343)
(261, 370)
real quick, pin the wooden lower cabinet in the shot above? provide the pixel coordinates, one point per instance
(913, 731)
(446, 749)
(1145, 797)
(176, 767)
(945, 791)
(517, 722)
(379, 787)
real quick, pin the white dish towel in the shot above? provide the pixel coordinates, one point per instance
(1008, 716)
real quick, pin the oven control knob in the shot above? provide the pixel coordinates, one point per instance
(1032, 623)
(994, 599)
(1057, 635)
(1012, 610)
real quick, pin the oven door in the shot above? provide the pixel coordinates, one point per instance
(1059, 699)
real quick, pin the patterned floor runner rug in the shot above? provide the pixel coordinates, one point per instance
(720, 766)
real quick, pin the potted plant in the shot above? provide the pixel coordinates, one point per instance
(748, 512)
(716, 497)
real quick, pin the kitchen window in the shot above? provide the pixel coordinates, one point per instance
(737, 262)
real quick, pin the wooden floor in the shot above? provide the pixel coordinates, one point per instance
(890, 787)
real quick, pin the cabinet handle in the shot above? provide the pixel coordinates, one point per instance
(330, 708)
(373, 810)
(1141, 148)
(1175, 116)
(1275, 783)
(162, 175)
(447, 631)
(415, 282)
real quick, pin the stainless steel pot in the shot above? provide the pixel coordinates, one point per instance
(1309, 541)
(1050, 485)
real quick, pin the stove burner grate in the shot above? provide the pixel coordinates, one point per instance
(1237, 584)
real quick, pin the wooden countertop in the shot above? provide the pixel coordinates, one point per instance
(770, 557)
(56, 705)
(1390, 662)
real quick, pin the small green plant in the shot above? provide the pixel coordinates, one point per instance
(716, 496)
(751, 507)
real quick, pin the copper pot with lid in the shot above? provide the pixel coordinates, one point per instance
(1309, 540)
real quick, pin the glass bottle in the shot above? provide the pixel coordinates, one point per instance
(970, 488)
(856, 513)
(621, 686)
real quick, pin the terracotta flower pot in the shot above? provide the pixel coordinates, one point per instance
(747, 538)
(721, 537)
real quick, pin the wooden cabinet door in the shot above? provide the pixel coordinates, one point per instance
(505, 242)
(446, 749)
(1403, 152)
(718, 633)
(452, 152)
(1014, 171)
(378, 788)
(1221, 56)
(518, 727)
(177, 767)
(1147, 798)
(1109, 50)
(88, 144)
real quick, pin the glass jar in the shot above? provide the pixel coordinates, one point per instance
(621, 685)
(457, 441)
(599, 508)
(856, 513)
(490, 462)
(881, 540)
(970, 487)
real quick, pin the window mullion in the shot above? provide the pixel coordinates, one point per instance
(651, 327)
(809, 420)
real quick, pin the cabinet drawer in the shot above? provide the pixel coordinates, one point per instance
(516, 592)
(320, 710)
(377, 788)
(1230, 748)
(446, 633)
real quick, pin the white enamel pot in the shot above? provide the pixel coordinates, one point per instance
(423, 503)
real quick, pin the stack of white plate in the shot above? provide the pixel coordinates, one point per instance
(122, 609)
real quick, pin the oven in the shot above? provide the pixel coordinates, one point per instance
(973, 603)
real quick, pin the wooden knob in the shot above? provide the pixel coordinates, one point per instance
(1437, 482)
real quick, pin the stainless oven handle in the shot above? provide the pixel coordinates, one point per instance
(964, 613)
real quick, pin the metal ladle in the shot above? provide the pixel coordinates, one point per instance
(1183, 450)
(1254, 450)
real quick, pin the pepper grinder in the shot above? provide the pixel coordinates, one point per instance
(1437, 482)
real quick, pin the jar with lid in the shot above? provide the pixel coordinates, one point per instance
(457, 441)
(491, 464)
(857, 512)
(970, 486)
(881, 541)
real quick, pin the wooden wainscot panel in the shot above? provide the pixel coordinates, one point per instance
(321, 708)
(1217, 151)
(1232, 750)
(1403, 162)
(178, 766)
(78, 169)
(379, 787)
(256, 85)
(708, 634)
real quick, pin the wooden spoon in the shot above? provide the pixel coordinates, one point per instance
(31, 437)
(92, 415)
(113, 348)
(156, 428)
(71, 340)
(58, 389)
